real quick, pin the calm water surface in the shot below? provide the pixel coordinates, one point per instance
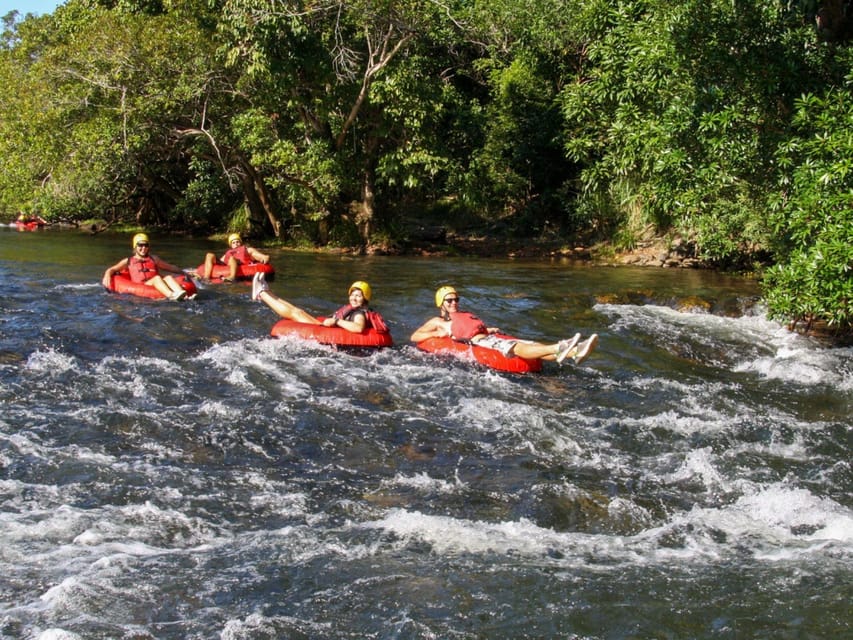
(169, 471)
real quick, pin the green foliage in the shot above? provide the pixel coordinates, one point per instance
(116, 86)
(520, 161)
(688, 100)
(240, 221)
(815, 284)
(690, 104)
(518, 170)
(813, 213)
(206, 199)
(358, 100)
(626, 116)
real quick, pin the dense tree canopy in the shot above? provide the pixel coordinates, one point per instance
(338, 121)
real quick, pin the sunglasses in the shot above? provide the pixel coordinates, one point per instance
(451, 300)
(141, 244)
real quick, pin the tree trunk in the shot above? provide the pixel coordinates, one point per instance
(366, 215)
(258, 199)
(364, 219)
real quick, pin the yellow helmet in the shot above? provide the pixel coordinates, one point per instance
(442, 293)
(233, 237)
(139, 237)
(363, 287)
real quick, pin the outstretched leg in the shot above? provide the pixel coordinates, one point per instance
(261, 291)
(177, 292)
(582, 351)
(168, 286)
(572, 348)
(557, 351)
(160, 284)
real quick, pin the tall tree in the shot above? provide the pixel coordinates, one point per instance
(116, 86)
(332, 77)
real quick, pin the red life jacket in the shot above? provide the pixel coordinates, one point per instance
(371, 317)
(464, 325)
(240, 254)
(142, 269)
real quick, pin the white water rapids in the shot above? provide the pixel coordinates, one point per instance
(170, 471)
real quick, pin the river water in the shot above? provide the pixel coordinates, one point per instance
(168, 470)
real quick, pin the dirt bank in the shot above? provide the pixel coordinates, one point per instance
(654, 252)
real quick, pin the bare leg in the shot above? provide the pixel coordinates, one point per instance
(533, 350)
(285, 309)
(161, 285)
(173, 284)
(209, 261)
(558, 351)
(232, 268)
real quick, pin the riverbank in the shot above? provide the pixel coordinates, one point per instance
(653, 251)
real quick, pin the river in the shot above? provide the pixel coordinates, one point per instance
(169, 471)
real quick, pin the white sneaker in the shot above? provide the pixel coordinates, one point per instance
(585, 348)
(564, 347)
(178, 295)
(259, 284)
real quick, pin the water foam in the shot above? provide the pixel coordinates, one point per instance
(57, 634)
(804, 362)
(773, 523)
(423, 483)
(699, 463)
(754, 343)
(51, 362)
(797, 513)
(80, 286)
(256, 625)
(768, 521)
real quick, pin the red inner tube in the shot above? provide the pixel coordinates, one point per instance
(32, 225)
(121, 283)
(331, 335)
(244, 271)
(489, 357)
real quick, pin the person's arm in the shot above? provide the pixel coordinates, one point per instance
(121, 265)
(353, 326)
(432, 328)
(258, 256)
